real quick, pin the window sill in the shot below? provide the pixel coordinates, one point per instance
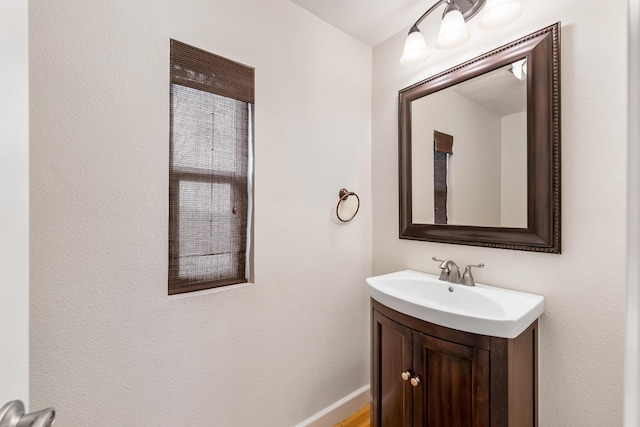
(210, 291)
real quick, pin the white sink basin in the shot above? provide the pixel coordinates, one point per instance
(479, 309)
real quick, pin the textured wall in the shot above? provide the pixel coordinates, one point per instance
(513, 175)
(632, 371)
(108, 347)
(582, 329)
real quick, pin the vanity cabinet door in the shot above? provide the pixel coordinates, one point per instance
(454, 383)
(449, 382)
(392, 400)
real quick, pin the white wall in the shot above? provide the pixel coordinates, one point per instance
(513, 172)
(582, 329)
(109, 348)
(14, 202)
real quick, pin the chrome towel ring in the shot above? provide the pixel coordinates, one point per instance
(344, 195)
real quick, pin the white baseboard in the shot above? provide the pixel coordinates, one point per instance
(340, 410)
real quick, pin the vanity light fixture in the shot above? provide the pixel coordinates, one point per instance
(453, 30)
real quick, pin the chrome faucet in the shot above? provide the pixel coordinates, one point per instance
(450, 272)
(12, 415)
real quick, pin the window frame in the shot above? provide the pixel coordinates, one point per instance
(219, 76)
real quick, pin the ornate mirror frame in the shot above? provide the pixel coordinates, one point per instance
(542, 50)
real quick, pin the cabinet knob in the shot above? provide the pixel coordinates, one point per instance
(415, 381)
(406, 375)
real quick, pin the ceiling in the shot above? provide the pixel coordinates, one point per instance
(374, 21)
(370, 21)
(498, 91)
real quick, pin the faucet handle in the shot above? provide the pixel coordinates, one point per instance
(467, 277)
(481, 265)
(444, 263)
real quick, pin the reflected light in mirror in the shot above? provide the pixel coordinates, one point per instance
(519, 69)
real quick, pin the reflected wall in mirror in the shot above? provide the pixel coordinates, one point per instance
(480, 150)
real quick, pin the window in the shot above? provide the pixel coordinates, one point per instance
(210, 170)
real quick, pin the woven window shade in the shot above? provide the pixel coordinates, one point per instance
(208, 176)
(442, 142)
(201, 70)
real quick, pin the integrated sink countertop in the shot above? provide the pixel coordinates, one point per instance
(480, 309)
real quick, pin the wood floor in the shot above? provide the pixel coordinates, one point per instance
(359, 419)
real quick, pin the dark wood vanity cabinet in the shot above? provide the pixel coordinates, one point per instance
(424, 374)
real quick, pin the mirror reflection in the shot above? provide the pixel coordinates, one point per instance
(469, 151)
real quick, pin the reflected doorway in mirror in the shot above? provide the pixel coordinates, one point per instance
(442, 149)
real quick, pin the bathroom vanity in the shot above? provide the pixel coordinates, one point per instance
(427, 374)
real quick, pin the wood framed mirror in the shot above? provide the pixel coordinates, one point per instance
(479, 150)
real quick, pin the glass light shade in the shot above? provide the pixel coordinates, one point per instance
(500, 12)
(415, 49)
(453, 31)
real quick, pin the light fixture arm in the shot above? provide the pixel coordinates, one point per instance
(469, 9)
(427, 13)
